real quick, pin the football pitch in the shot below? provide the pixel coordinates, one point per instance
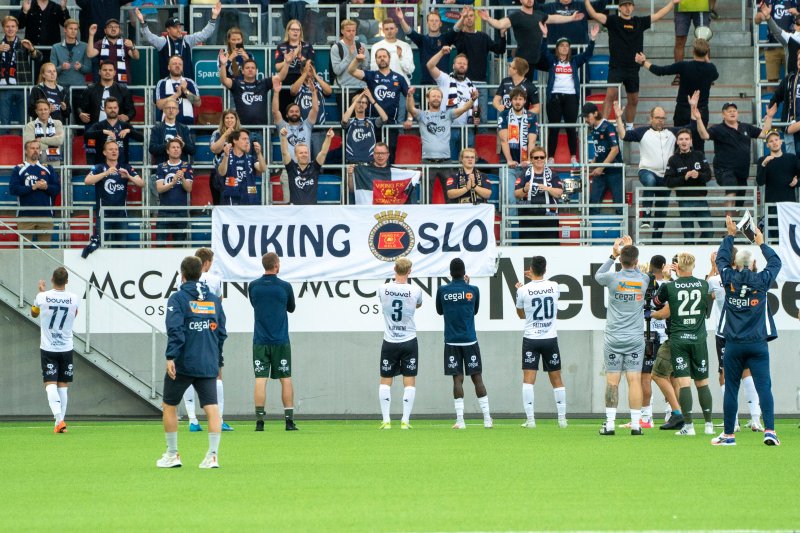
(351, 476)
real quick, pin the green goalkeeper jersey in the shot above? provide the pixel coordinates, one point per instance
(687, 299)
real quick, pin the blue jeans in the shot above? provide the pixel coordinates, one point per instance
(608, 180)
(687, 221)
(648, 178)
(11, 107)
(455, 141)
(755, 356)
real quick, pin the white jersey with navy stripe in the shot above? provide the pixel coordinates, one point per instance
(539, 299)
(57, 311)
(399, 302)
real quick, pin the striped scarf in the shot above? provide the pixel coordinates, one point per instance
(452, 93)
(8, 63)
(119, 56)
(47, 130)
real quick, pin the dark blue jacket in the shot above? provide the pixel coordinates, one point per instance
(577, 32)
(458, 302)
(745, 316)
(21, 184)
(158, 142)
(195, 330)
(271, 298)
(577, 61)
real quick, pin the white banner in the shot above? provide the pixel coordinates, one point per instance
(788, 222)
(143, 280)
(357, 242)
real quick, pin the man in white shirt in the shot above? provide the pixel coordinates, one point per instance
(399, 353)
(401, 57)
(58, 309)
(537, 304)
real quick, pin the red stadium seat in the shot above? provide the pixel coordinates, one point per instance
(210, 111)
(138, 105)
(277, 191)
(598, 100)
(78, 151)
(408, 150)
(562, 152)
(486, 146)
(437, 194)
(10, 150)
(201, 190)
(79, 231)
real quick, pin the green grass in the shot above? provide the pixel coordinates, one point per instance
(349, 476)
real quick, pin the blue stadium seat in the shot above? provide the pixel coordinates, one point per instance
(136, 154)
(765, 104)
(763, 33)
(598, 68)
(6, 198)
(330, 189)
(494, 199)
(203, 154)
(276, 153)
(82, 194)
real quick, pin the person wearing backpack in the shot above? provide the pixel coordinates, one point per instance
(342, 54)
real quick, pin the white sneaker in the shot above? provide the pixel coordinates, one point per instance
(459, 425)
(737, 428)
(487, 423)
(530, 424)
(562, 423)
(709, 430)
(686, 430)
(210, 461)
(169, 461)
(755, 425)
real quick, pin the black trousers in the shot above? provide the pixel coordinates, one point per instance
(562, 107)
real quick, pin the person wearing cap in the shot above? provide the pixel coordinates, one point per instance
(625, 39)
(698, 74)
(785, 94)
(606, 150)
(563, 89)
(732, 144)
(577, 33)
(175, 43)
(777, 173)
(114, 49)
(783, 21)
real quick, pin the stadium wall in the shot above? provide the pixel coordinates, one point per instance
(336, 336)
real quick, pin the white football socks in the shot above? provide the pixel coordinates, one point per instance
(560, 394)
(54, 400)
(385, 397)
(172, 442)
(62, 396)
(611, 416)
(188, 402)
(751, 395)
(459, 403)
(527, 400)
(647, 413)
(636, 417)
(220, 397)
(409, 393)
(213, 442)
(484, 403)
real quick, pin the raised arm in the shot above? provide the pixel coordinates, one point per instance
(277, 117)
(91, 51)
(353, 68)
(260, 165)
(222, 167)
(564, 19)
(771, 110)
(664, 11)
(312, 114)
(326, 145)
(434, 60)
(222, 59)
(411, 107)
(286, 157)
(467, 105)
(618, 111)
(502, 24)
(599, 17)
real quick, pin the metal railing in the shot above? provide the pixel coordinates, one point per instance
(570, 224)
(35, 259)
(676, 215)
